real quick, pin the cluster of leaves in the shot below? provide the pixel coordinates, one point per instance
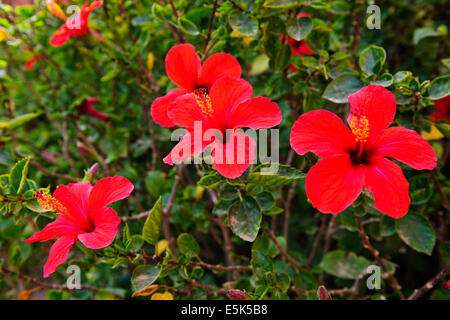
(206, 234)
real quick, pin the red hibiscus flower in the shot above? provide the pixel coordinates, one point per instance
(88, 107)
(183, 66)
(82, 215)
(76, 27)
(227, 107)
(355, 157)
(29, 65)
(442, 109)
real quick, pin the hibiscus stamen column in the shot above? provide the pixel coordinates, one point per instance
(360, 128)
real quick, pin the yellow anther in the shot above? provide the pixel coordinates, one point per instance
(204, 102)
(360, 128)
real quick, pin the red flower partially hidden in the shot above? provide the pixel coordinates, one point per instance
(29, 65)
(88, 107)
(298, 47)
(76, 27)
(82, 215)
(442, 109)
(224, 109)
(183, 66)
(355, 157)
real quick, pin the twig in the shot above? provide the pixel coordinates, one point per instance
(53, 174)
(430, 284)
(52, 286)
(202, 264)
(377, 257)
(315, 247)
(211, 21)
(438, 186)
(287, 212)
(282, 251)
(168, 211)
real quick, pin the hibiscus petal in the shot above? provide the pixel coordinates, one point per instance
(74, 197)
(109, 190)
(255, 113)
(59, 253)
(377, 104)
(184, 112)
(160, 105)
(321, 132)
(216, 66)
(235, 156)
(227, 93)
(186, 148)
(334, 183)
(61, 36)
(406, 146)
(105, 230)
(385, 180)
(61, 226)
(183, 66)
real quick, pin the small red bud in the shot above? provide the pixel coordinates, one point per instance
(237, 295)
(322, 293)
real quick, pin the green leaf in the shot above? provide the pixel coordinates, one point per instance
(340, 88)
(298, 28)
(385, 80)
(371, 60)
(111, 74)
(265, 200)
(444, 127)
(440, 87)
(188, 26)
(188, 245)
(18, 121)
(281, 3)
(211, 180)
(261, 263)
(34, 206)
(284, 175)
(245, 218)
(422, 33)
(17, 176)
(152, 225)
(244, 24)
(281, 60)
(222, 206)
(343, 264)
(144, 275)
(416, 231)
(161, 13)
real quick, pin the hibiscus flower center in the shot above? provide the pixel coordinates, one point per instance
(359, 125)
(360, 128)
(204, 102)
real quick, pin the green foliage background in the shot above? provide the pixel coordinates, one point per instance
(296, 248)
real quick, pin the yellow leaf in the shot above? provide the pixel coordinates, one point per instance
(162, 296)
(434, 134)
(150, 61)
(259, 65)
(245, 39)
(24, 295)
(198, 192)
(3, 35)
(161, 246)
(146, 291)
(56, 10)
